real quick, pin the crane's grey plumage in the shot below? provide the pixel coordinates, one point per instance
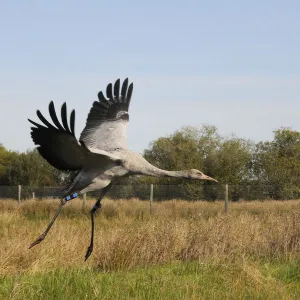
(108, 119)
(101, 155)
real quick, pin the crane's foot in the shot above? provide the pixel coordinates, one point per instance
(62, 203)
(88, 252)
(37, 241)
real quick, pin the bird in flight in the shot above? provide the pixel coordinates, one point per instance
(101, 155)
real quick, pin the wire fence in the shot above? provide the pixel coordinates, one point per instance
(160, 192)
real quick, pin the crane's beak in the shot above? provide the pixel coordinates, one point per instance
(205, 177)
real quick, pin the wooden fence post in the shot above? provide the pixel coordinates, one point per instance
(226, 198)
(83, 202)
(19, 194)
(151, 198)
(33, 195)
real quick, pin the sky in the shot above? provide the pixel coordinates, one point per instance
(231, 64)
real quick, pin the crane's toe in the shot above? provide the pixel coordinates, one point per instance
(88, 252)
(37, 241)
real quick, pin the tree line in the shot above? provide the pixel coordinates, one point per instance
(271, 168)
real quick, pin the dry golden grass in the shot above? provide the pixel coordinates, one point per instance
(128, 236)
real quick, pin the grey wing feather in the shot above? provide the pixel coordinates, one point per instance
(108, 118)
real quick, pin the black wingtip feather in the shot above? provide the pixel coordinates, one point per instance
(117, 89)
(124, 89)
(64, 117)
(129, 93)
(34, 123)
(109, 93)
(101, 97)
(72, 122)
(43, 119)
(53, 116)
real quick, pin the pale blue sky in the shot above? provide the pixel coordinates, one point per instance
(232, 64)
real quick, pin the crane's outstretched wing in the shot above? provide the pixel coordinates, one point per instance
(108, 118)
(58, 144)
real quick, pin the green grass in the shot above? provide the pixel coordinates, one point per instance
(173, 281)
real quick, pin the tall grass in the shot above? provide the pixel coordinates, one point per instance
(127, 236)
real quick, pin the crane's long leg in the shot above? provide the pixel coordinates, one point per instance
(62, 203)
(92, 212)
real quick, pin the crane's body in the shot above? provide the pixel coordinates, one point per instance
(101, 155)
(97, 177)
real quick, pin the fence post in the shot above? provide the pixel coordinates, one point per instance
(151, 198)
(33, 195)
(226, 198)
(19, 194)
(83, 202)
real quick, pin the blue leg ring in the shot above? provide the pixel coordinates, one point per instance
(73, 196)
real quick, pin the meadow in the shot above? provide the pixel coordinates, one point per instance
(184, 250)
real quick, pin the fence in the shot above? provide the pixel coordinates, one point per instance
(161, 192)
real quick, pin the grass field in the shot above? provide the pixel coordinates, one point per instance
(185, 250)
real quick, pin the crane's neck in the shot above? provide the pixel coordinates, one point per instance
(156, 172)
(139, 165)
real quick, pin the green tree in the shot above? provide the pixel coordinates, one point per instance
(277, 164)
(5, 159)
(31, 169)
(233, 164)
(233, 161)
(226, 159)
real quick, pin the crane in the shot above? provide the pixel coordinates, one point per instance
(101, 155)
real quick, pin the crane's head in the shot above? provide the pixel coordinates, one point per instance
(196, 174)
